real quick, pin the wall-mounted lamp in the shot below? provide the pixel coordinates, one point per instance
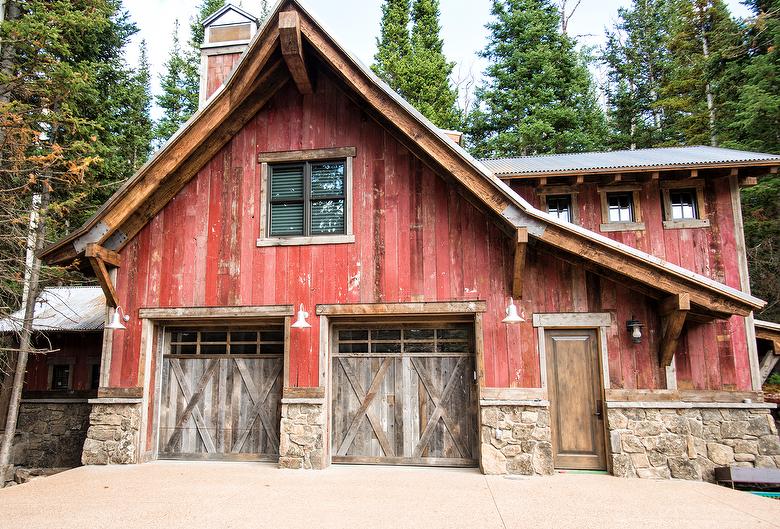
(511, 314)
(116, 323)
(300, 322)
(635, 327)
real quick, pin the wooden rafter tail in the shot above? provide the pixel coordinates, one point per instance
(519, 270)
(674, 311)
(99, 257)
(292, 50)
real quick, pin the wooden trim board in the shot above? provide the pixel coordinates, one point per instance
(374, 309)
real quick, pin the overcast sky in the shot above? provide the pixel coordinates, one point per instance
(355, 24)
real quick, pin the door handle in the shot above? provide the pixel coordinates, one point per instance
(599, 409)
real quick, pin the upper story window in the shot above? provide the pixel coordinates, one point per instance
(559, 206)
(683, 204)
(307, 197)
(560, 201)
(620, 208)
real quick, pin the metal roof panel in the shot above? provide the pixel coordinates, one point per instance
(61, 309)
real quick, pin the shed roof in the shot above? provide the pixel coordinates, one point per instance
(63, 309)
(666, 157)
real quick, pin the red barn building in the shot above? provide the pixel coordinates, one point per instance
(313, 273)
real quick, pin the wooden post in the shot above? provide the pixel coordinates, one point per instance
(519, 270)
(674, 310)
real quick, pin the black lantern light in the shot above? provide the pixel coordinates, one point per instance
(634, 326)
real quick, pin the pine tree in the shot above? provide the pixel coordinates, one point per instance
(703, 37)
(756, 126)
(538, 96)
(180, 88)
(426, 79)
(637, 59)
(756, 122)
(61, 134)
(394, 44)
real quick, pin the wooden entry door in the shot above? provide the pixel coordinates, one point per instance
(221, 395)
(404, 396)
(574, 387)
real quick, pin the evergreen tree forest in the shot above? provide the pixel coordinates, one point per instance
(75, 125)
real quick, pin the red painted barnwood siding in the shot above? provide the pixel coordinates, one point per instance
(218, 68)
(417, 239)
(82, 349)
(710, 356)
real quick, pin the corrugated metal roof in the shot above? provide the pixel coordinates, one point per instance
(637, 159)
(63, 309)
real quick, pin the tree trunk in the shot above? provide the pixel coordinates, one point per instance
(705, 48)
(25, 337)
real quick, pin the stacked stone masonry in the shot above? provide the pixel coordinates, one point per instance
(50, 434)
(112, 438)
(690, 443)
(516, 440)
(302, 436)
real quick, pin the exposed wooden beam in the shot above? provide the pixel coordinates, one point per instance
(542, 182)
(674, 310)
(768, 363)
(748, 181)
(104, 279)
(580, 179)
(292, 50)
(694, 173)
(306, 155)
(734, 171)
(615, 179)
(107, 256)
(519, 270)
(378, 309)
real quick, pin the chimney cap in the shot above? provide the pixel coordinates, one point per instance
(249, 17)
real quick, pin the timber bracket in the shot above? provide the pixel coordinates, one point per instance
(292, 50)
(101, 258)
(519, 268)
(674, 311)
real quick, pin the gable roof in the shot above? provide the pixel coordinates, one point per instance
(636, 160)
(63, 309)
(260, 73)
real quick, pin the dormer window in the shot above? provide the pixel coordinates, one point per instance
(307, 197)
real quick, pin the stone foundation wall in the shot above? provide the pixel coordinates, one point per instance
(302, 435)
(50, 434)
(690, 443)
(515, 439)
(113, 435)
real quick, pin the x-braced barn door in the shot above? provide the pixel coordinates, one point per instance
(404, 396)
(221, 393)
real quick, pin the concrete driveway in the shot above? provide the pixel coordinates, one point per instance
(200, 495)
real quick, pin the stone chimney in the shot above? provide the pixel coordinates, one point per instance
(226, 36)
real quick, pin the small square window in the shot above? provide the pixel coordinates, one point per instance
(683, 204)
(60, 377)
(620, 207)
(560, 207)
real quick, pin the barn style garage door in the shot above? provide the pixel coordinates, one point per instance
(404, 395)
(220, 395)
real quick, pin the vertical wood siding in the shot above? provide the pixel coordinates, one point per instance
(218, 68)
(416, 239)
(709, 356)
(81, 348)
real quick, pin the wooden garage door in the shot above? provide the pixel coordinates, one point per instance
(404, 395)
(221, 394)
